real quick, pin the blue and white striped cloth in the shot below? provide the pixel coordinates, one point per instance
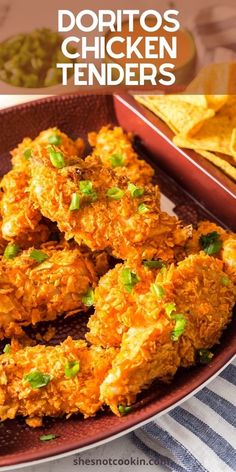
(199, 435)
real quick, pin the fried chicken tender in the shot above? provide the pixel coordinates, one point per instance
(109, 217)
(32, 291)
(115, 149)
(20, 217)
(52, 381)
(226, 249)
(188, 311)
(116, 307)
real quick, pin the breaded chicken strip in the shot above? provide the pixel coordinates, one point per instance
(186, 309)
(215, 241)
(39, 285)
(52, 381)
(115, 149)
(20, 217)
(116, 303)
(89, 202)
(120, 305)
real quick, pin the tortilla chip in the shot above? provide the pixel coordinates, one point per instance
(216, 81)
(215, 134)
(227, 168)
(233, 144)
(179, 112)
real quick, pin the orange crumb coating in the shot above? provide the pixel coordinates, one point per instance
(62, 395)
(228, 250)
(197, 291)
(106, 223)
(110, 142)
(33, 292)
(20, 217)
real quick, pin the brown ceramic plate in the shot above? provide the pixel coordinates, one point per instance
(20, 445)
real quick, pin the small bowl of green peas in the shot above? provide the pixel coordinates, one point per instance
(28, 60)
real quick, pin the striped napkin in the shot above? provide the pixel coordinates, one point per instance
(199, 435)
(213, 28)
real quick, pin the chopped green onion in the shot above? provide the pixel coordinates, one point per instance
(154, 264)
(124, 410)
(180, 323)
(115, 193)
(11, 251)
(38, 255)
(129, 279)
(71, 369)
(135, 192)
(169, 308)
(37, 379)
(75, 202)
(86, 187)
(55, 139)
(27, 154)
(47, 437)
(157, 290)
(88, 297)
(117, 160)
(205, 356)
(7, 349)
(56, 158)
(225, 280)
(142, 208)
(93, 196)
(210, 243)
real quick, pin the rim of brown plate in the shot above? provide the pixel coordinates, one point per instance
(140, 417)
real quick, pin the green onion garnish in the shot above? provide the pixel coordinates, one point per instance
(205, 356)
(38, 255)
(71, 369)
(86, 187)
(88, 297)
(115, 193)
(142, 208)
(27, 154)
(7, 349)
(154, 264)
(210, 243)
(180, 323)
(169, 308)
(129, 279)
(135, 192)
(117, 160)
(56, 158)
(75, 202)
(225, 280)
(37, 379)
(48, 437)
(124, 410)
(11, 251)
(55, 139)
(157, 290)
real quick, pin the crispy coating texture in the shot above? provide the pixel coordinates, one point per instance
(228, 250)
(33, 292)
(21, 220)
(63, 395)
(115, 307)
(108, 143)
(146, 354)
(197, 291)
(105, 223)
